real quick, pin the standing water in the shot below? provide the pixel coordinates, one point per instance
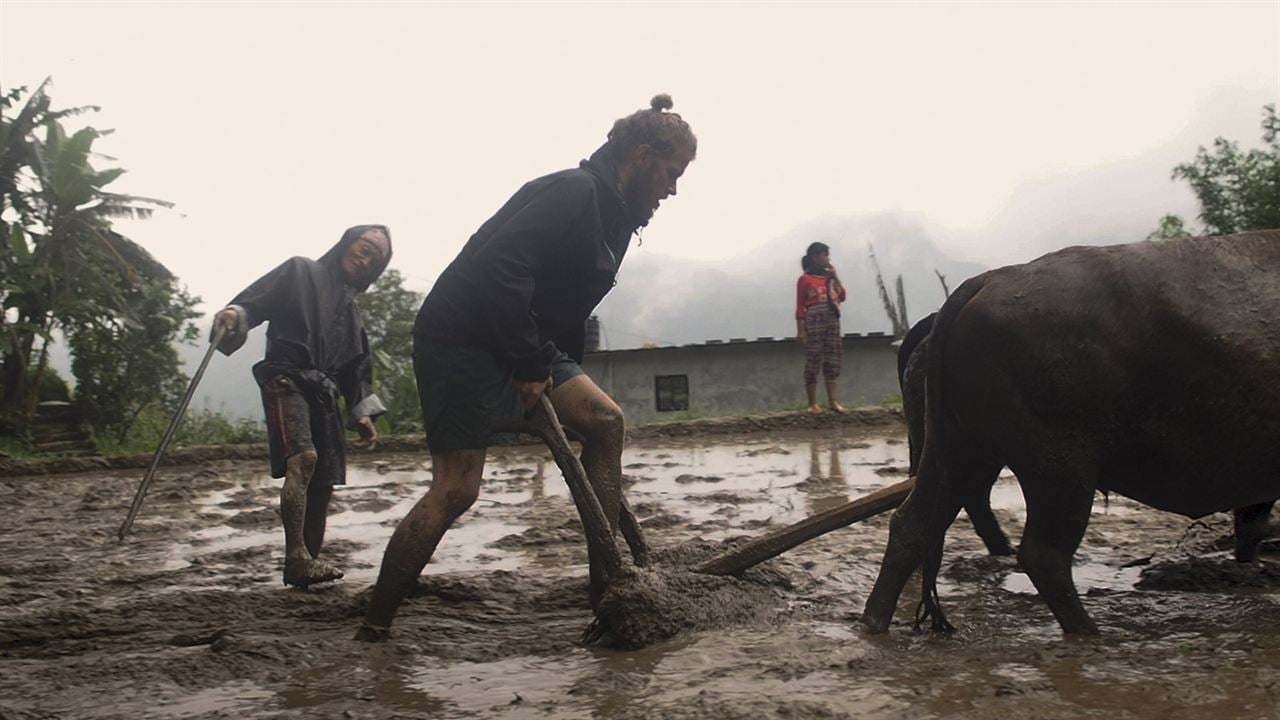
(189, 618)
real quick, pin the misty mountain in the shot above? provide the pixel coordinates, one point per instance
(662, 300)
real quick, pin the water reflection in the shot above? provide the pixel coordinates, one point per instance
(824, 491)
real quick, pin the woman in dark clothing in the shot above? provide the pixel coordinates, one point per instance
(819, 293)
(317, 350)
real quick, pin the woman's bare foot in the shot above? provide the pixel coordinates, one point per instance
(815, 410)
(304, 571)
(837, 408)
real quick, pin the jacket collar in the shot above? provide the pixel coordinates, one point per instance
(605, 169)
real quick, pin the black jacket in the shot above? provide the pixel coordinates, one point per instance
(315, 333)
(525, 283)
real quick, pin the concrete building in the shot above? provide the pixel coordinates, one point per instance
(738, 376)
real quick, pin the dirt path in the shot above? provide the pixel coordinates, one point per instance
(189, 619)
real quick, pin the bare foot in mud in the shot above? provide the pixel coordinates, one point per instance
(302, 572)
(815, 410)
(837, 408)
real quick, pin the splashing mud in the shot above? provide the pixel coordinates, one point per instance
(189, 618)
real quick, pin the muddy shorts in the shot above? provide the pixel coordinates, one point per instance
(467, 393)
(300, 420)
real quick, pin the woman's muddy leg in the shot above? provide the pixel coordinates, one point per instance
(318, 495)
(454, 487)
(300, 567)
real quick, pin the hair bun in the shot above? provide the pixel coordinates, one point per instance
(661, 102)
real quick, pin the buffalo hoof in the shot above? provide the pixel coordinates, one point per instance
(874, 625)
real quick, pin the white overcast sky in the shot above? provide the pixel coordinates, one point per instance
(273, 126)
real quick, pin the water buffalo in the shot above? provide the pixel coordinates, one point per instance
(1151, 370)
(1251, 523)
(911, 378)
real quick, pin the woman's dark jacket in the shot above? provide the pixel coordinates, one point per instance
(315, 335)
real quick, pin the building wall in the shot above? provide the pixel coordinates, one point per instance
(741, 376)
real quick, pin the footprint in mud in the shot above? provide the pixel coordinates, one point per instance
(723, 497)
(102, 497)
(371, 503)
(773, 450)
(257, 554)
(818, 481)
(686, 478)
(659, 519)
(569, 532)
(254, 518)
(240, 501)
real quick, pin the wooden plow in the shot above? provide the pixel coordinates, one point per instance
(647, 602)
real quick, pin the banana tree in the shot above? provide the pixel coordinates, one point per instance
(61, 261)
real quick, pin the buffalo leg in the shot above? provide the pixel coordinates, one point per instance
(1251, 528)
(916, 527)
(978, 508)
(903, 554)
(1057, 514)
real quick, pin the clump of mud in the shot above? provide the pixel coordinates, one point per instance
(655, 603)
(1209, 575)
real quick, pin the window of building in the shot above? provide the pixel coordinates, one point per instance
(672, 392)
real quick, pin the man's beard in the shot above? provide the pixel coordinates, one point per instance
(637, 197)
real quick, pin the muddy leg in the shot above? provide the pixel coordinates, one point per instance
(978, 508)
(454, 487)
(1251, 528)
(1057, 514)
(583, 406)
(300, 568)
(318, 496)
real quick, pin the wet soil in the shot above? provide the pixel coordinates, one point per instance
(188, 618)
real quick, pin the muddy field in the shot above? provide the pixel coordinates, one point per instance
(188, 618)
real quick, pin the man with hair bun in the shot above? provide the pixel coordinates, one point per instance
(506, 322)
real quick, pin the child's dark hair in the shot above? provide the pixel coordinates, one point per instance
(815, 249)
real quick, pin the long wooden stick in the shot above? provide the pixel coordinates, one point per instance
(168, 434)
(595, 525)
(777, 542)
